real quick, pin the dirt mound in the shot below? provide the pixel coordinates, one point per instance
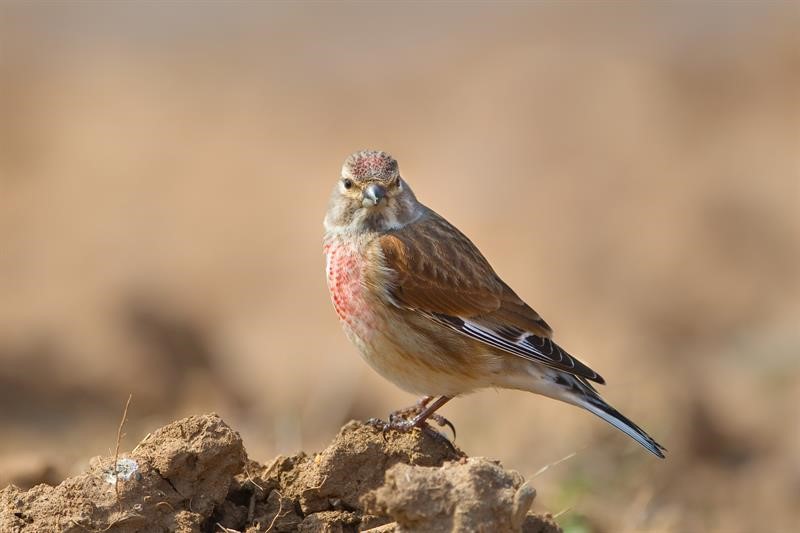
(194, 476)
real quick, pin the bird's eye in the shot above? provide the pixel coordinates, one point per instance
(347, 183)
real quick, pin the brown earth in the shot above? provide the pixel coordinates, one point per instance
(194, 476)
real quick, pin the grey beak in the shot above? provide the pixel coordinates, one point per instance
(373, 194)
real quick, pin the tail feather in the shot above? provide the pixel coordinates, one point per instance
(577, 391)
(600, 408)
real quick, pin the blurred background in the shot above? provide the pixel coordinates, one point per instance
(633, 171)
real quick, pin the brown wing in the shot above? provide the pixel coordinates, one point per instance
(440, 273)
(439, 270)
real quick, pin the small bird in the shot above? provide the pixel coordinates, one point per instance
(428, 312)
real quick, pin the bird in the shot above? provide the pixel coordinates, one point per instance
(427, 311)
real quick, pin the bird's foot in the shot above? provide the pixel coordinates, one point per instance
(405, 425)
(410, 417)
(411, 412)
(395, 423)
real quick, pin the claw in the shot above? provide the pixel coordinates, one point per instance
(376, 422)
(440, 437)
(442, 421)
(382, 425)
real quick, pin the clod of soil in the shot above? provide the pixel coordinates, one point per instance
(194, 476)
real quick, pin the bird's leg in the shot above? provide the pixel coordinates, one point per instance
(402, 420)
(409, 414)
(430, 412)
(412, 411)
(422, 411)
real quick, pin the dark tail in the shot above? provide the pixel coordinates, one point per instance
(594, 404)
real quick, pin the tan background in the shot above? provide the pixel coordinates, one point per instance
(631, 171)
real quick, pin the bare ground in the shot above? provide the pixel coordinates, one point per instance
(194, 476)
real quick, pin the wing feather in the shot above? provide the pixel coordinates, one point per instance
(438, 272)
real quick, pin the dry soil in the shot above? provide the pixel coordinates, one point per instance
(194, 476)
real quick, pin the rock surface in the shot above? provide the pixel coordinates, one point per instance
(194, 476)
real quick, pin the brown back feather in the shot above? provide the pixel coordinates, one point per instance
(439, 270)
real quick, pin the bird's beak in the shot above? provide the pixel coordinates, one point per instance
(373, 194)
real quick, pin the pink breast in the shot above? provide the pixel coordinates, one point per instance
(345, 274)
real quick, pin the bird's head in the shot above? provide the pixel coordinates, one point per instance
(370, 195)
